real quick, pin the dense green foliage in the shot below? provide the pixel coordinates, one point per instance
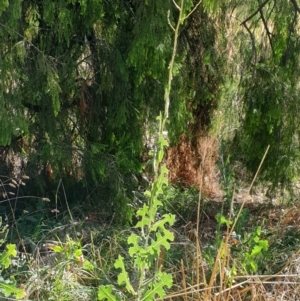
(268, 91)
(82, 82)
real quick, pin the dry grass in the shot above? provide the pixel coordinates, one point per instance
(195, 280)
(194, 277)
(281, 286)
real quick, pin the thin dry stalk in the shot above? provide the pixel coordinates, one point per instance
(260, 280)
(198, 263)
(200, 260)
(222, 250)
(251, 186)
(191, 290)
(99, 258)
(222, 259)
(199, 255)
(183, 282)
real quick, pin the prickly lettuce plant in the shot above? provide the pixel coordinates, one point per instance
(146, 245)
(152, 237)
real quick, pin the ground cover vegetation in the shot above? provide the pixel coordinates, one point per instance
(149, 150)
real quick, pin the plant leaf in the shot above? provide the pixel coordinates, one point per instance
(157, 288)
(57, 249)
(104, 293)
(8, 288)
(123, 276)
(5, 257)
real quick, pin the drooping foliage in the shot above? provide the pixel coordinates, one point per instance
(79, 80)
(268, 91)
(66, 88)
(82, 80)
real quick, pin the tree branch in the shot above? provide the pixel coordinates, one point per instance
(267, 29)
(296, 6)
(252, 40)
(258, 9)
(195, 7)
(286, 54)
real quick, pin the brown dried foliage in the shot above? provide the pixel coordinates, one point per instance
(194, 164)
